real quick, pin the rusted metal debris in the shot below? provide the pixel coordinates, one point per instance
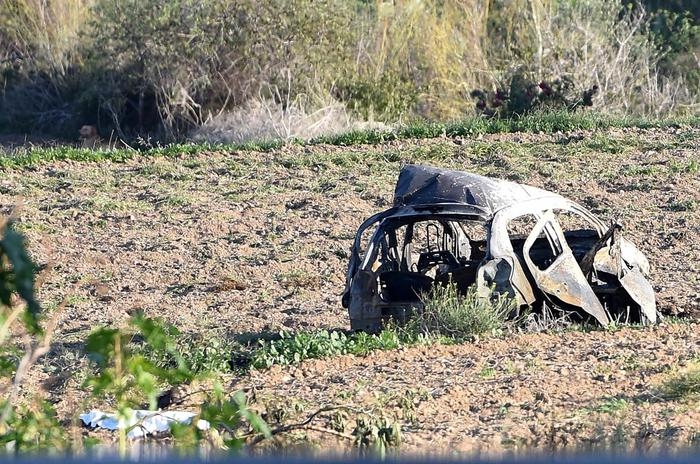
(536, 246)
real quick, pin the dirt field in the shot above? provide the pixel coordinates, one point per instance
(246, 242)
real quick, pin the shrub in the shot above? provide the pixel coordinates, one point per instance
(592, 44)
(170, 64)
(447, 312)
(152, 62)
(525, 96)
(161, 68)
(40, 62)
(677, 35)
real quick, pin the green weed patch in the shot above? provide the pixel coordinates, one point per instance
(548, 122)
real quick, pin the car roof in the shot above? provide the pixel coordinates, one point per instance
(420, 185)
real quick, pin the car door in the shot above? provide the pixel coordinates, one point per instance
(560, 276)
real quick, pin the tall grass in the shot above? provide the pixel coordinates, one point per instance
(584, 41)
(41, 32)
(420, 56)
(39, 53)
(448, 313)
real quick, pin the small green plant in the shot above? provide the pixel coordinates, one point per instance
(684, 384)
(232, 418)
(294, 348)
(448, 313)
(605, 144)
(32, 425)
(612, 405)
(691, 167)
(377, 435)
(447, 317)
(684, 205)
(199, 353)
(206, 354)
(126, 377)
(487, 372)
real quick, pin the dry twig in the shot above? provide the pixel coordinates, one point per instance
(305, 424)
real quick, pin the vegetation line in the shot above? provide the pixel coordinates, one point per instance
(447, 318)
(548, 122)
(140, 69)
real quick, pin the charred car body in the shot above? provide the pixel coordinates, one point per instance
(536, 246)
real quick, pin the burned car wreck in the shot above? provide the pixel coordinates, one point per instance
(533, 245)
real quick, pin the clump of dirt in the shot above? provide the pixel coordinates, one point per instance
(248, 243)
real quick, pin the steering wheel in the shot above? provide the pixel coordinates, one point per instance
(432, 258)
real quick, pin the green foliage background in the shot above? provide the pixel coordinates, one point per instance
(161, 68)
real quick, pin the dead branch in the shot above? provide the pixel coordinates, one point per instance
(305, 424)
(347, 436)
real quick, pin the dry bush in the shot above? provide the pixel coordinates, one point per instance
(153, 61)
(39, 35)
(264, 119)
(596, 43)
(423, 57)
(171, 63)
(164, 66)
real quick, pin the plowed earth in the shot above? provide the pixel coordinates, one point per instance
(234, 242)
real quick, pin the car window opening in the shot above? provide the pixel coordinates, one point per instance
(416, 255)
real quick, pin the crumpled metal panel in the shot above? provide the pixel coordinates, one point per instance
(616, 260)
(563, 279)
(641, 291)
(500, 275)
(421, 185)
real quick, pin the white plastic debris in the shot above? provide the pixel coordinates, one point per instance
(141, 423)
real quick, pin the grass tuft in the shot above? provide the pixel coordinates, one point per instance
(684, 385)
(447, 313)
